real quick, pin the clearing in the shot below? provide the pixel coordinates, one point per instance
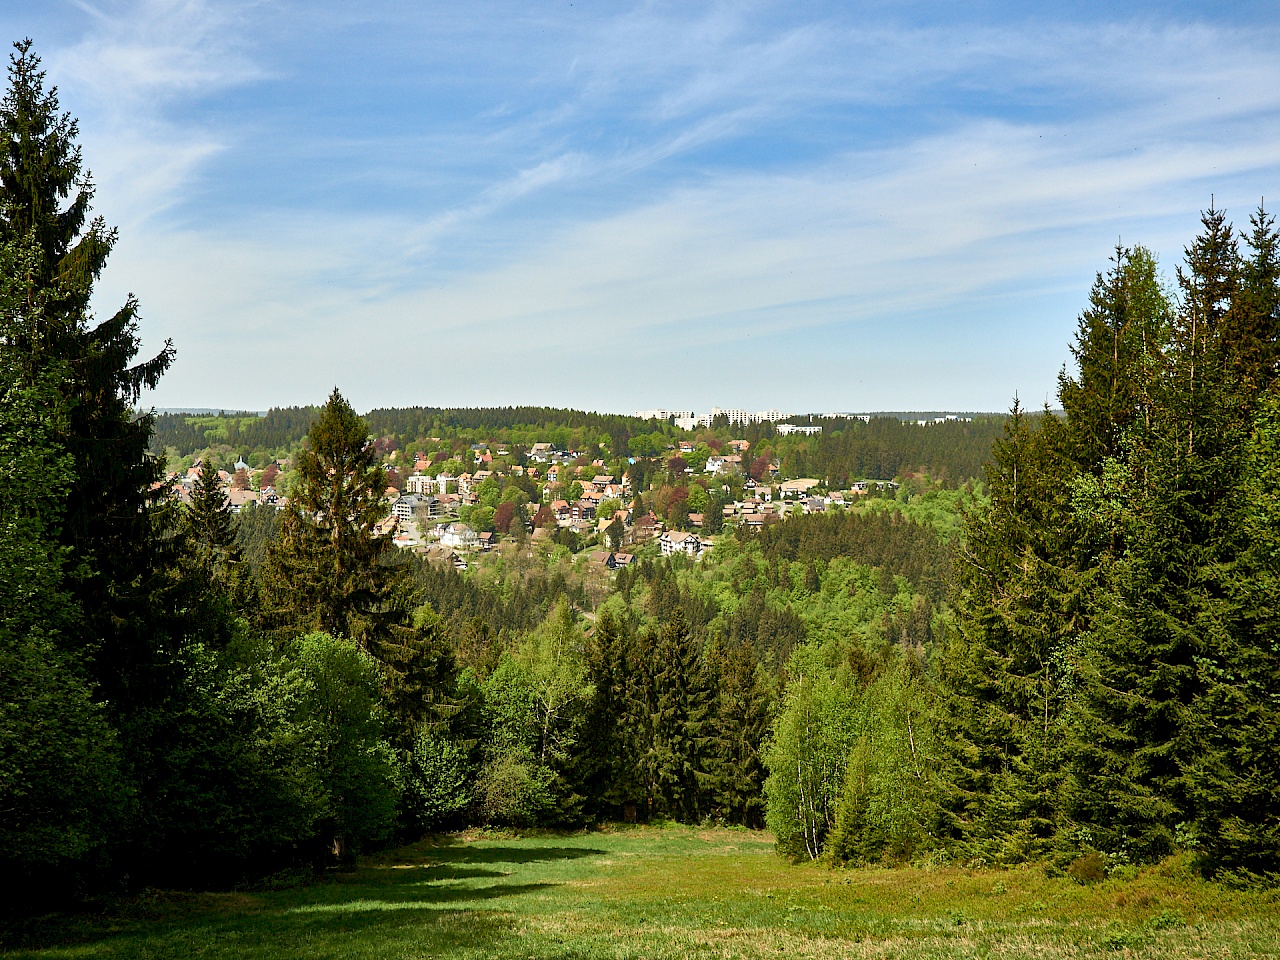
(674, 892)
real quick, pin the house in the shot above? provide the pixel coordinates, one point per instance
(797, 487)
(406, 506)
(815, 505)
(611, 560)
(443, 554)
(443, 480)
(563, 512)
(236, 499)
(584, 509)
(696, 519)
(460, 536)
(677, 541)
(646, 528)
(727, 463)
(487, 541)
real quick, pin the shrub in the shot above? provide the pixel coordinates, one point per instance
(1089, 868)
(436, 791)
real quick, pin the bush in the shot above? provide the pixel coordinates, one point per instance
(515, 790)
(436, 792)
(1089, 868)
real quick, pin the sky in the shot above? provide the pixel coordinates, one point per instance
(617, 206)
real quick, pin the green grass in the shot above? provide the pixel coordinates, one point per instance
(674, 892)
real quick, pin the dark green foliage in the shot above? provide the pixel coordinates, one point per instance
(327, 570)
(1233, 779)
(61, 794)
(45, 199)
(255, 528)
(887, 447)
(879, 539)
(675, 693)
(733, 769)
(1112, 678)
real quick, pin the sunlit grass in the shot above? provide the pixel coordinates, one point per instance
(676, 892)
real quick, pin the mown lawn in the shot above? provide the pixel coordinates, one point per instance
(674, 892)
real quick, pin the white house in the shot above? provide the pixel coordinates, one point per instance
(674, 541)
(405, 506)
(459, 536)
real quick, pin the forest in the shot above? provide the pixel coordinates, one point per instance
(1056, 644)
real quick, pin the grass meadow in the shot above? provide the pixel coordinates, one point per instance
(669, 892)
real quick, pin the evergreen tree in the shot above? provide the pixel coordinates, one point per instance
(60, 783)
(679, 715)
(608, 751)
(1005, 665)
(1117, 339)
(734, 769)
(1232, 774)
(114, 558)
(328, 571)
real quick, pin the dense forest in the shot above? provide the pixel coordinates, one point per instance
(1067, 657)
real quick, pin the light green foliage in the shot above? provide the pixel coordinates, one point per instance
(552, 658)
(697, 498)
(515, 788)
(888, 808)
(437, 782)
(489, 492)
(812, 738)
(360, 777)
(935, 506)
(513, 494)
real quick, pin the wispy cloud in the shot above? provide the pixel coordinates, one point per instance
(687, 184)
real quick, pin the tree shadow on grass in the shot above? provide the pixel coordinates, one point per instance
(442, 896)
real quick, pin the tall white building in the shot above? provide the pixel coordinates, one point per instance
(660, 414)
(734, 416)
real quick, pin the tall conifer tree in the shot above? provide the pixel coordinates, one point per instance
(45, 197)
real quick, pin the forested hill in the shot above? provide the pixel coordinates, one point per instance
(280, 428)
(886, 447)
(848, 449)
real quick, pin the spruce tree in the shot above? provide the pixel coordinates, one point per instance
(734, 771)
(680, 715)
(1164, 515)
(114, 558)
(60, 784)
(1232, 771)
(328, 570)
(1004, 667)
(609, 748)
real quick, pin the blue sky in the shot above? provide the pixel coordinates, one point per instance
(623, 205)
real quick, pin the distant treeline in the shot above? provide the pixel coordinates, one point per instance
(280, 429)
(886, 447)
(847, 450)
